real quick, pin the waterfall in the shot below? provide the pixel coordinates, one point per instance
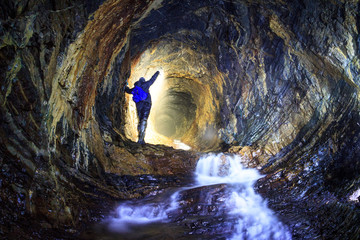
(254, 220)
(221, 168)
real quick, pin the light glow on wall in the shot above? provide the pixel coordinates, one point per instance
(145, 67)
(185, 97)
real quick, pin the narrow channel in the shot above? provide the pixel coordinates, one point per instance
(220, 204)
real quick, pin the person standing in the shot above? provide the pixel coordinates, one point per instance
(142, 99)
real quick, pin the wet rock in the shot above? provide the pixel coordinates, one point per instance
(202, 212)
(277, 77)
(251, 157)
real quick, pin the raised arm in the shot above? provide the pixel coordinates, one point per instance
(153, 78)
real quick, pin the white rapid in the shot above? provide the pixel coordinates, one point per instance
(130, 214)
(255, 219)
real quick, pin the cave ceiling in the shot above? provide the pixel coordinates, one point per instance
(277, 81)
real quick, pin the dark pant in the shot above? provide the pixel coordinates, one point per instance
(143, 110)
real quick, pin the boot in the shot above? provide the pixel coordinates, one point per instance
(141, 129)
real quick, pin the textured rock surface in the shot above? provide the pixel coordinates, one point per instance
(51, 171)
(276, 81)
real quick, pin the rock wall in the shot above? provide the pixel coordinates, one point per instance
(34, 37)
(273, 80)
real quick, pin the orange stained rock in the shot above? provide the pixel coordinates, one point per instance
(102, 40)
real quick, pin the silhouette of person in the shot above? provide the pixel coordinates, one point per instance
(142, 99)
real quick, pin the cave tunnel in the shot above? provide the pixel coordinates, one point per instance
(185, 108)
(273, 82)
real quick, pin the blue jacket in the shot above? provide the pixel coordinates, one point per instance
(145, 85)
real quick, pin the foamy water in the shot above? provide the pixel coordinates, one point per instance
(255, 219)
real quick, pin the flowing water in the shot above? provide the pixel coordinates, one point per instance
(220, 204)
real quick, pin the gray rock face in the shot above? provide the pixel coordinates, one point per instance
(275, 81)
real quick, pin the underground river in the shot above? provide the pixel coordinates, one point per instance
(273, 85)
(220, 203)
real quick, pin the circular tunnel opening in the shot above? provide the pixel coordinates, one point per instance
(185, 103)
(174, 113)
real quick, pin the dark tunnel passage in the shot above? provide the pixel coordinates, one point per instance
(174, 114)
(274, 82)
(185, 112)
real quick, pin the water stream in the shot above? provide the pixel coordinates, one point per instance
(220, 204)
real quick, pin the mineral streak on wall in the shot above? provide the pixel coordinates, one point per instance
(88, 63)
(276, 81)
